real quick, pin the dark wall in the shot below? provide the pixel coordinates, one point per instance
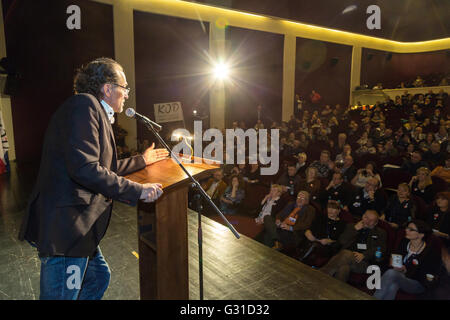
(47, 54)
(256, 61)
(375, 67)
(401, 20)
(324, 67)
(171, 65)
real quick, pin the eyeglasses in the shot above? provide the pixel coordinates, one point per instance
(127, 90)
(411, 229)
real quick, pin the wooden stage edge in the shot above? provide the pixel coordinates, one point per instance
(244, 269)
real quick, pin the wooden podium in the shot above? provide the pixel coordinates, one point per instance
(162, 230)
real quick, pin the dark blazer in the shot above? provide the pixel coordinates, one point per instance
(79, 176)
(376, 238)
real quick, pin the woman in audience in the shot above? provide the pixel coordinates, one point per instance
(232, 197)
(400, 209)
(362, 175)
(419, 261)
(422, 186)
(439, 215)
(311, 183)
(271, 204)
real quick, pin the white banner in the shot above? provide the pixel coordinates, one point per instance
(168, 112)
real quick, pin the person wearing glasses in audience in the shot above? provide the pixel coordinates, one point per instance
(79, 177)
(290, 224)
(417, 264)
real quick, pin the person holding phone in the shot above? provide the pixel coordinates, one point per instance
(420, 262)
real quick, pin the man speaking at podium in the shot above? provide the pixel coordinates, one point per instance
(79, 177)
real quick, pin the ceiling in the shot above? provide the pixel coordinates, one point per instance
(401, 20)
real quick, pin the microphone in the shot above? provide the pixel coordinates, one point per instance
(130, 112)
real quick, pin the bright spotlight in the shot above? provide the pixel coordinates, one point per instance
(221, 71)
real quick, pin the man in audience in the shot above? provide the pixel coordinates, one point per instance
(289, 226)
(414, 163)
(359, 243)
(324, 165)
(370, 197)
(215, 186)
(434, 156)
(337, 190)
(348, 170)
(289, 180)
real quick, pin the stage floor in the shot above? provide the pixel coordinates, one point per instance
(244, 269)
(233, 268)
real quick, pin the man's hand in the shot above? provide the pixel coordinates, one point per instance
(152, 155)
(358, 257)
(326, 241)
(359, 225)
(151, 192)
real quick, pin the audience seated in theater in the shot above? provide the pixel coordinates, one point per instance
(443, 172)
(324, 165)
(346, 150)
(232, 197)
(337, 190)
(359, 242)
(289, 226)
(422, 186)
(300, 165)
(364, 174)
(253, 174)
(439, 215)
(400, 208)
(434, 156)
(419, 259)
(271, 204)
(310, 183)
(415, 162)
(239, 170)
(368, 148)
(370, 197)
(347, 169)
(441, 135)
(321, 238)
(215, 186)
(289, 180)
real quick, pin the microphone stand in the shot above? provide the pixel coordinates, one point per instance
(202, 192)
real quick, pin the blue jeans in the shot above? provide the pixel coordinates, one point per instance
(69, 278)
(392, 280)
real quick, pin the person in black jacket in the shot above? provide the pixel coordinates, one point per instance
(400, 208)
(70, 206)
(337, 190)
(439, 216)
(419, 260)
(369, 197)
(359, 243)
(321, 239)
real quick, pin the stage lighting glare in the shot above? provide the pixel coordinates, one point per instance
(221, 71)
